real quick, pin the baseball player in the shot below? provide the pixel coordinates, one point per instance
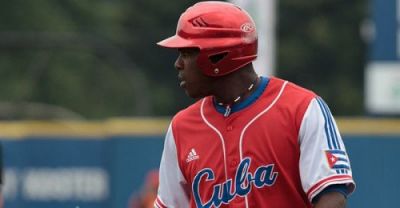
(248, 141)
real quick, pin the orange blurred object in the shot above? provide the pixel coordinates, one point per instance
(145, 198)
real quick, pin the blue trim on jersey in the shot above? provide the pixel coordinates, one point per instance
(248, 101)
(341, 167)
(333, 127)
(330, 123)
(325, 124)
(330, 131)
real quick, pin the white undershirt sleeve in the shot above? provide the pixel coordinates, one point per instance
(171, 191)
(323, 157)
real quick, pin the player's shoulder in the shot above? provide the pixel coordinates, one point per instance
(293, 90)
(292, 97)
(189, 114)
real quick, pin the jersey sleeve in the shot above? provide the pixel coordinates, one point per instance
(323, 157)
(171, 190)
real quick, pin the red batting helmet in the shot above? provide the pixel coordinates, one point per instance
(225, 34)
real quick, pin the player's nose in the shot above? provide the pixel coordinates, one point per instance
(178, 63)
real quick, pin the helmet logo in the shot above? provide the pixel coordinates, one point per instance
(247, 27)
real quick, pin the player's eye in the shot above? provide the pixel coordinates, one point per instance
(185, 53)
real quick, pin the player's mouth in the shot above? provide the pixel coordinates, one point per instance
(182, 82)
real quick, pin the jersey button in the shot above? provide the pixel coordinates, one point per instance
(229, 128)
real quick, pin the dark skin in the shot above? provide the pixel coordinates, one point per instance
(331, 200)
(225, 89)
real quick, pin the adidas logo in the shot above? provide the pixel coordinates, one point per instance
(192, 155)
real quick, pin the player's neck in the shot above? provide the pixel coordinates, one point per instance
(235, 87)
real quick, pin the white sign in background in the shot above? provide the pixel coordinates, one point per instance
(83, 184)
(383, 88)
(382, 80)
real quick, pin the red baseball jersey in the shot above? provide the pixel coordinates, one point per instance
(280, 151)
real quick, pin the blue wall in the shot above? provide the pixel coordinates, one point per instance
(124, 160)
(376, 169)
(120, 164)
(387, 27)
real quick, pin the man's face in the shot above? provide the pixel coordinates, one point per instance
(195, 83)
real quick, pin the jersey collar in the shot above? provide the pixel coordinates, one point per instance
(246, 102)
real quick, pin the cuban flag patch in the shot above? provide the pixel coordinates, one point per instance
(337, 159)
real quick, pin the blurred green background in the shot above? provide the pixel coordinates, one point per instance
(98, 59)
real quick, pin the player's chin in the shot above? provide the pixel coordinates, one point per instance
(193, 93)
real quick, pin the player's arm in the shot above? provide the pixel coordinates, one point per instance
(334, 196)
(331, 200)
(171, 190)
(324, 165)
